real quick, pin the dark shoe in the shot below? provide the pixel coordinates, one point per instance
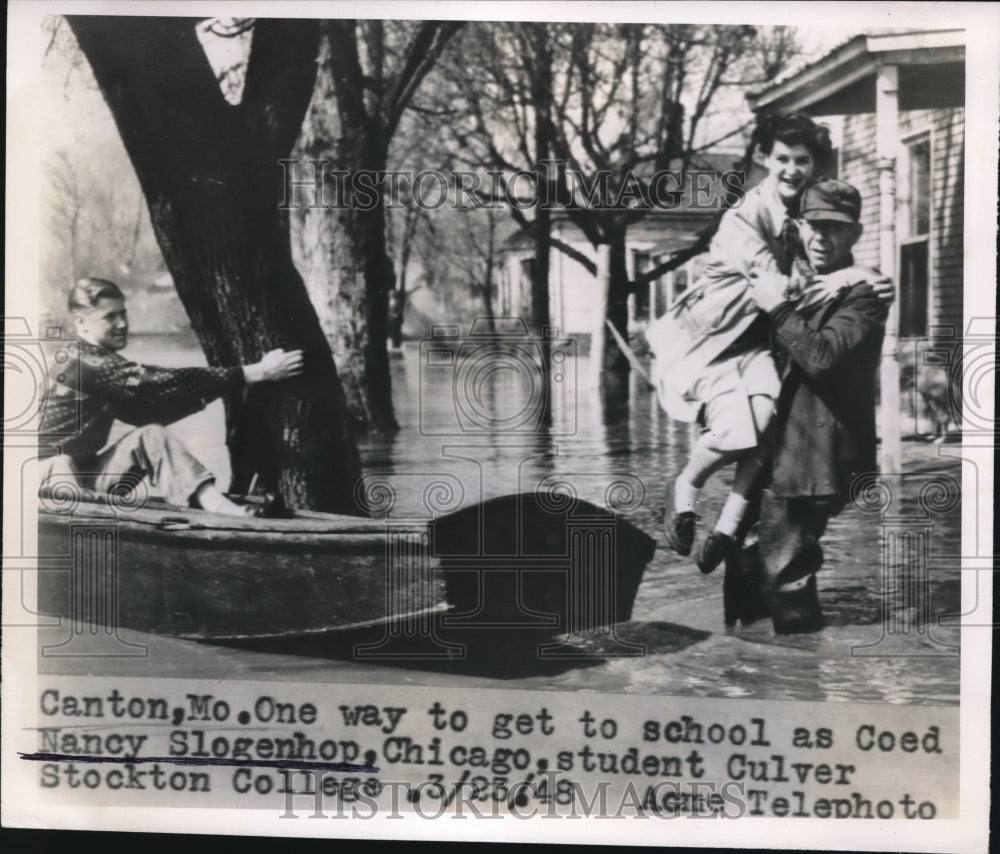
(713, 551)
(266, 506)
(679, 531)
(743, 599)
(795, 608)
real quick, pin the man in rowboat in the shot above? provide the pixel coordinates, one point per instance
(96, 386)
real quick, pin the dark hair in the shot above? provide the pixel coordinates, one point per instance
(86, 293)
(796, 129)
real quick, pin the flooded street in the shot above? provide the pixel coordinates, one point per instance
(469, 436)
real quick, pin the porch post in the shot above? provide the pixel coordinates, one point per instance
(886, 146)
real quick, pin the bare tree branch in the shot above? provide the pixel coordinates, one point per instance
(424, 51)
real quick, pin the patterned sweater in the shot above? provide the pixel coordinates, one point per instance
(89, 387)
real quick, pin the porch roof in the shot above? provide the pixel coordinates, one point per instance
(662, 230)
(931, 74)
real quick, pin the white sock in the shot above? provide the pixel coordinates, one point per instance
(685, 495)
(209, 498)
(731, 515)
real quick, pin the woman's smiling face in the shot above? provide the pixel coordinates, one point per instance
(791, 167)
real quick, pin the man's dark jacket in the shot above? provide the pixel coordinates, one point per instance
(825, 422)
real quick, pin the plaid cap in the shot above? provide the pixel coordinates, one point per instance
(831, 200)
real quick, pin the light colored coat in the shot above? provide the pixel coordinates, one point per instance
(718, 308)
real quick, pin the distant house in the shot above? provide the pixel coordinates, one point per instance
(574, 291)
(901, 100)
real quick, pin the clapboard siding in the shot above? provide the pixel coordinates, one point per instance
(859, 166)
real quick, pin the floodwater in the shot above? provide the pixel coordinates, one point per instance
(471, 429)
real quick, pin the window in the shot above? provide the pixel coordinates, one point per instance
(920, 187)
(521, 302)
(914, 232)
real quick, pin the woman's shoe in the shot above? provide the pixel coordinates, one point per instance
(678, 528)
(713, 551)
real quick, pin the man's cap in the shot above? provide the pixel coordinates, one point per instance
(831, 200)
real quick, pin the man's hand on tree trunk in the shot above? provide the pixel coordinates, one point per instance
(276, 365)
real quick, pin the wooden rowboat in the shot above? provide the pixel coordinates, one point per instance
(192, 574)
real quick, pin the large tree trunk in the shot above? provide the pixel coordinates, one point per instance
(369, 103)
(348, 266)
(349, 276)
(211, 179)
(364, 278)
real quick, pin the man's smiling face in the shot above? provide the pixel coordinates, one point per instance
(828, 244)
(105, 325)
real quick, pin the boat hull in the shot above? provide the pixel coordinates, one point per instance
(199, 576)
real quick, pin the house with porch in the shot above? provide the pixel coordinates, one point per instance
(899, 101)
(575, 293)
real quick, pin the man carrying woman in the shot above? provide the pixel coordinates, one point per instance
(713, 359)
(715, 362)
(827, 345)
